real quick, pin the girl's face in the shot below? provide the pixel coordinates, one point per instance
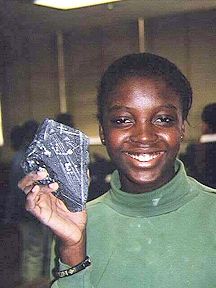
(142, 128)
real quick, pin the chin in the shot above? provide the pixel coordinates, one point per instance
(149, 179)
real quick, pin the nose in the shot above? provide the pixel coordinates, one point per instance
(144, 133)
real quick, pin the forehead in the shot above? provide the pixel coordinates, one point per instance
(146, 91)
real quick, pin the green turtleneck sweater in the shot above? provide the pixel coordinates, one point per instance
(160, 239)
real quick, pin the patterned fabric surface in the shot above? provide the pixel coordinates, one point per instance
(63, 152)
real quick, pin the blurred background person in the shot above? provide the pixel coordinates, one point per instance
(65, 118)
(21, 136)
(100, 170)
(35, 239)
(200, 158)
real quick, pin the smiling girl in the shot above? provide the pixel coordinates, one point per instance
(156, 226)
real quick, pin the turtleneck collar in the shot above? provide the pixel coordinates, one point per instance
(165, 199)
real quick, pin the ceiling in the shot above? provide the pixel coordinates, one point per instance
(24, 14)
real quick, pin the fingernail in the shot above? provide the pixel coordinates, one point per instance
(35, 188)
(42, 173)
(53, 186)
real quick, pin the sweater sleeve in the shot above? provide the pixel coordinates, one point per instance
(81, 279)
(78, 280)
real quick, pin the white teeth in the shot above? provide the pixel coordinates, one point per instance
(143, 157)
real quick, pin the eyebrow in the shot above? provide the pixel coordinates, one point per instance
(120, 107)
(168, 105)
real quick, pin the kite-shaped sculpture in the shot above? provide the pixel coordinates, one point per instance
(63, 152)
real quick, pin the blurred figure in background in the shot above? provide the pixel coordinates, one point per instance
(100, 170)
(34, 237)
(65, 118)
(16, 137)
(21, 136)
(200, 158)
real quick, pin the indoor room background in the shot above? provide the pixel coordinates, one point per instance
(31, 68)
(51, 62)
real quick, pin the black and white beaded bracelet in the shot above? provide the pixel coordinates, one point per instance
(72, 270)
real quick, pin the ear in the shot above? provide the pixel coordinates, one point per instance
(183, 130)
(101, 134)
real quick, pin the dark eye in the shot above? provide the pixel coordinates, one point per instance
(164, 120)
(121, 121)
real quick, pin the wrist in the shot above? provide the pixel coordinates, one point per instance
(73, 254)
(74, 269)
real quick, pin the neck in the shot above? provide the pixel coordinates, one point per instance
(129, 186)
(171, 196)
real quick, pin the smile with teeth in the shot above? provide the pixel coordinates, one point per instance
(144, 157)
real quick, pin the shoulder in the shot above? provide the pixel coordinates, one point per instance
(97, 206)
(203, 205)
(203, 190)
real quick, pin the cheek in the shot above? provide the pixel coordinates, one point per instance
(114, 140)
(173, 139)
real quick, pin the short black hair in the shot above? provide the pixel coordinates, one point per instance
(144, 65)
(22, 135)
(16, 137)
(209, 116)
(65, 118)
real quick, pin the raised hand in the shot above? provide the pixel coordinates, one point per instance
(68, 226)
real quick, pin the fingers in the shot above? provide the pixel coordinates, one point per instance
(28, 182)
(39, 204)
(31, 198)
(34, 197)
(38, 192)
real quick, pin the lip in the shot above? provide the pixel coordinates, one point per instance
(144, 158)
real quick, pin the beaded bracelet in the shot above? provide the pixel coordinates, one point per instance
(72, 270)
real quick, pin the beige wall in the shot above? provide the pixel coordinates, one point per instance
(189, 41)
(30, 76)
(86, 57)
